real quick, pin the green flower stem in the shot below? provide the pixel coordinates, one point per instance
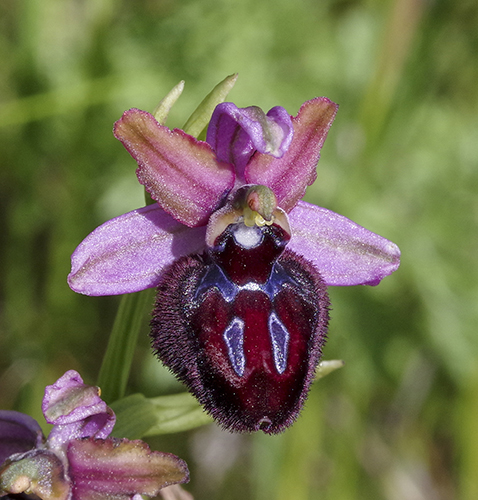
(118, 358)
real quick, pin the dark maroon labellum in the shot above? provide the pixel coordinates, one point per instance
(243, 326)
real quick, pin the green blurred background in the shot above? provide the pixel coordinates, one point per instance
(400, 420)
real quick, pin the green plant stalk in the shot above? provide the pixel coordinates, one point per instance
(118, 358)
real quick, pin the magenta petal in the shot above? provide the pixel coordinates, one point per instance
(342, 251)
(118, 469)
(290, 175)
(236, 133)
(76, 410)
(180, 172)
(128, 253)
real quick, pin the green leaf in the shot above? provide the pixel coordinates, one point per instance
(198, 121)
(164, 107)
(138, 416)
(326, 367)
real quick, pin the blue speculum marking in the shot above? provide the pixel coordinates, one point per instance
(280, 342)
(215, 278)
(234, 338)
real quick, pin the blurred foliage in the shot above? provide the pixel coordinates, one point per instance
(399, 420)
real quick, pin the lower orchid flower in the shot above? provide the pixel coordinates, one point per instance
(240, 263)
(78, 461)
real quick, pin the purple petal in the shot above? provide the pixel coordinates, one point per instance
(128, 253)
(76, 410)
(236, 133)
(119, 469)
(290, 175)
(180, 172)
(18, 433)
(343, 252)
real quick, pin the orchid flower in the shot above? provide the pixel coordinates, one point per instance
(241, 264)
(78, 461)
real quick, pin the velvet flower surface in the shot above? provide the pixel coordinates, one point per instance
(240, 263)
(79, 460)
